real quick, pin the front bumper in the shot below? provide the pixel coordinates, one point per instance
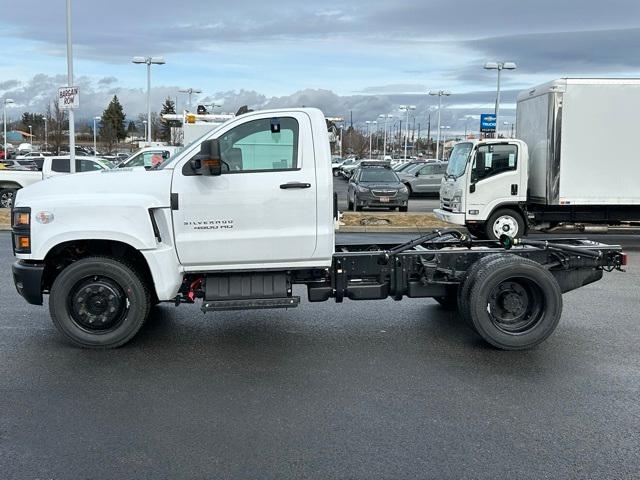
(28, 280)
(370, 200)
(446, 216)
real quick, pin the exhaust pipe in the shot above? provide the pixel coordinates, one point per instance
(578, 227)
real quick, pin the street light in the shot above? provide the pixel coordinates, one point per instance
(95, 149)
(384, 143)
(439, 94)
(190, 91)
(370, 133)
(31, 136)
(499, 66)
(46, 135)
(406, 108)
(148, 61)
(6, 102)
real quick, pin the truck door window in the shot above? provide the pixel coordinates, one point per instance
(493, 160)
(260, 145)
(60, 165)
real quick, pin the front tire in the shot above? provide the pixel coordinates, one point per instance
(99, 302)
(505, 222)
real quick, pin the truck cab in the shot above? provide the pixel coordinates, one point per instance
(485, 186)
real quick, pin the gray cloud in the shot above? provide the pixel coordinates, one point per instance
(35, 94)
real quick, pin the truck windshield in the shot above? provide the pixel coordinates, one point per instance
(458, 159)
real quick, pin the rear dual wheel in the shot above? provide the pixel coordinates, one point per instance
(513, 303)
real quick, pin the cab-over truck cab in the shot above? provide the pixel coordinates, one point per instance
(485, 187)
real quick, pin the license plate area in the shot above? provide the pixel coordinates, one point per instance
(384, 199)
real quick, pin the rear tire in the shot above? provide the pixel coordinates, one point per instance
(349, 205)
(515, 303)
(404, 209)
(468, 280)
(7, 196)
(99, 302)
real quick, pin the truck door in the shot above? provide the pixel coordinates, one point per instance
(262, 209)
(495, 177)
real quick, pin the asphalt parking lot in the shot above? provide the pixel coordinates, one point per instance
(359, 390)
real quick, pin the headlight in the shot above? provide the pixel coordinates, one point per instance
(362, 189)
(456, 201)
(403, 189)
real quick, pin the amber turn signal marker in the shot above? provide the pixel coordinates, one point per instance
(24, 243)
(21, 219)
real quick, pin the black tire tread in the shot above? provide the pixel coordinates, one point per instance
(121, 263)
(482, 276)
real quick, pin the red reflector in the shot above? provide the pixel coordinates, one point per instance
(623, 258)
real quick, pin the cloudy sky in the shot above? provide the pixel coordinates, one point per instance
(366, 56)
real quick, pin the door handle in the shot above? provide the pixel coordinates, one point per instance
(286, 186)
(514, 189)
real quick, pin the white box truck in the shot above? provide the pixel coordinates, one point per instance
(575, 163)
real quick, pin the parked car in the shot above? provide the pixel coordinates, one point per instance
(11, 180)
(425, 178)
(148, 157)
(336, 163)
(349, 165)
(375, 184)
(20, 164)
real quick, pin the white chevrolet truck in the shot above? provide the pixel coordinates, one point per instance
(241, 216)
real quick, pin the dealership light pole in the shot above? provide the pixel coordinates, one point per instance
(406, 108)
(5, 102)
(190, 91)
(384, 143)
(499, 66)
(148, 61)
(439, 94)
(95, 149)
(72, 125)
(46, 135)
(370, 134)
(31, 136)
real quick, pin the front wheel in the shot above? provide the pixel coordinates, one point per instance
(505, 222)
(99, 302)
(404, 209)
(7, 195)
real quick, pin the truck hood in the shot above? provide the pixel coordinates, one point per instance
(116, 187)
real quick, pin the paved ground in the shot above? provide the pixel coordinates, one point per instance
(422, 203)
(359, 390)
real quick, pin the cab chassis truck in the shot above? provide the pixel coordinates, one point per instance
(244, 214)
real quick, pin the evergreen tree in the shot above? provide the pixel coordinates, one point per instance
(168, 107)
(132, 130)
(112, 124)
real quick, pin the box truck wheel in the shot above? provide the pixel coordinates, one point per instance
(505, 222)
(99, 302)
(515, 303)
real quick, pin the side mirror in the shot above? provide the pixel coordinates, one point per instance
(417, 174)
(208, 161)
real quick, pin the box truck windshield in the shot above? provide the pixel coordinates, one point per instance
(458, 159)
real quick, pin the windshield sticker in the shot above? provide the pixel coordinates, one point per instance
(488, 158)
(512, 159)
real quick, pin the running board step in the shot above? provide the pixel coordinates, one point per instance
(250, 304)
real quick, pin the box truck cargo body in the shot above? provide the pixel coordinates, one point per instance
(582, 140)
(575, 163)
